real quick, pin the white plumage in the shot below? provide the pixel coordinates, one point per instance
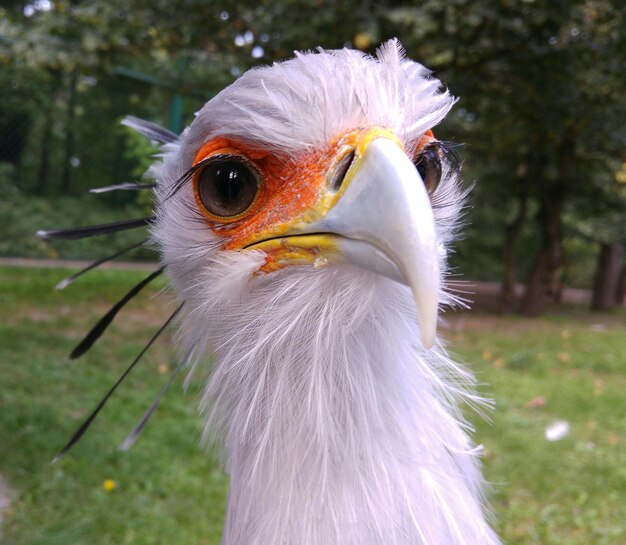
(338, 427)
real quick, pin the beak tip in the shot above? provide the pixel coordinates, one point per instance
(427, 307)
(428, 339)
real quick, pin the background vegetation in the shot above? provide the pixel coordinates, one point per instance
(542, 113)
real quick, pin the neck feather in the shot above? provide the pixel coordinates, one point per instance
(339, 428)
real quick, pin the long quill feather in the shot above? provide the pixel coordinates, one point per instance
(150, 130)
(67, 281)
(76, 233)
(126, 186)
(104, 322)
(134, 434)
(88, 421)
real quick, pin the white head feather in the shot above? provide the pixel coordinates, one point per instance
(339, 428)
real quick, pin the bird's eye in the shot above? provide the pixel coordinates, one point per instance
(428, 165)
(226, 189)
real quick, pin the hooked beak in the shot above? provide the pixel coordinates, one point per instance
(381, 221)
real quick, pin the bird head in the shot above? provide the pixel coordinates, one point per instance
(309, 168)
(303, 219)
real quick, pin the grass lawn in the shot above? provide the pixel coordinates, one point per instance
(568, 366)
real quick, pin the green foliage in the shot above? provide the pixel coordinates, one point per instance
(15, 219)
(568, 366)
(542, 112)
(139, 151)
(541, 84)
(22, 215)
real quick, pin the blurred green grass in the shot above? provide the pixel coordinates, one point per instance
(568, 366)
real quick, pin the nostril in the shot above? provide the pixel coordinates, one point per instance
(341, 169)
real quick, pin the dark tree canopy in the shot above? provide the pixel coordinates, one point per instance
(542, 110)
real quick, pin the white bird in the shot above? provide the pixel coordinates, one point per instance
(303, 220)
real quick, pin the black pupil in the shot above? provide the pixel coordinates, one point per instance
(428, 165)
(227, 188)
(421, 168)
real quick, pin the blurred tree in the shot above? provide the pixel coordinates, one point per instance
(602, 222)
(541, 83)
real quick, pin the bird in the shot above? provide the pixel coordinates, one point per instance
(304, 220)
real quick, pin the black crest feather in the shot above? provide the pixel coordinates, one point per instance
(150, 130)
(126, 186)
(88, 421)
(93, 230)
(67, 281)
(104, 322)
(134, 434)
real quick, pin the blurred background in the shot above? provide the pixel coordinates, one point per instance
(541, 128)
(540, 121)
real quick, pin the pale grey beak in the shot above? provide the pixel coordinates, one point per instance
(386, 222)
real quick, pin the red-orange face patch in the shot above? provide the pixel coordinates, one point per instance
(286, 190)
(288, 187)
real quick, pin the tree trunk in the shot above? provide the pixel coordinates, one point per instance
(507, 290)
(620, 292)
(548, 261)
(43, 174)
(555, 272)
(532, 302)
(546, 275)
(606, 282)
(66, 180)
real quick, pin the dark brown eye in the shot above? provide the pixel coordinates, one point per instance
(227, 188)
(428, 165)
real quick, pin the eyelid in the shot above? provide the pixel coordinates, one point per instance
(208, 152)
(222, 146)
(201, 160)
(214, 147)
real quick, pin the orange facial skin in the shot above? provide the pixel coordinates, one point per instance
(279, 258)
(426, 138)
(289, 189)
